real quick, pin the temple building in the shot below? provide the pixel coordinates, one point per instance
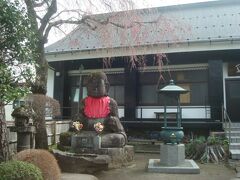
(197, 45)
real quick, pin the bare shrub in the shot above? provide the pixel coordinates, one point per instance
(44, 160)
(43, 106)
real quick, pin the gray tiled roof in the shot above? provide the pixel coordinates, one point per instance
(207, 21)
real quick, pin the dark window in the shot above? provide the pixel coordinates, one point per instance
(117, 93)
(199, 93)
(148, 95)
(194, 81)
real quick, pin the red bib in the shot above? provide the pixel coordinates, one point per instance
(97, 107)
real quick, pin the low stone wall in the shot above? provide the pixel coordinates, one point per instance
(54, 128)
(12, 136)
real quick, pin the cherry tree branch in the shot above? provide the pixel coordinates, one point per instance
(92, 25)
(50, 12)
(38, 17)
(77, 11)
(68, 21)
(123, 26)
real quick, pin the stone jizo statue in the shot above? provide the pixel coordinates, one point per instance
(99, 112)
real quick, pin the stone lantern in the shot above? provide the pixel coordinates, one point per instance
(25, 130)
(172, 134)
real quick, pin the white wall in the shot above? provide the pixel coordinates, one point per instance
(8, 112)
(50, 82)
(225, 75)
(188, 112)
(121, 111)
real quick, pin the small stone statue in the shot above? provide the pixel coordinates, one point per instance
(98, 112)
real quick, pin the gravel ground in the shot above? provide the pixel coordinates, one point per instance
(137, 171)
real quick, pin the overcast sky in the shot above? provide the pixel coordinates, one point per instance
(55, 35)
(157, 3)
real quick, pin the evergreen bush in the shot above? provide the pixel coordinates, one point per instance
(65, 138)
(18, 170)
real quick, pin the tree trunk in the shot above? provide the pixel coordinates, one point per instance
(4, 148)
(40, 87)
(41, 140)
(40, 84)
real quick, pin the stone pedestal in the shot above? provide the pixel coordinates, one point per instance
(86, 140)
(172, 154)
(172, 160)
(87, 155)
(88, 162)
(25, 137)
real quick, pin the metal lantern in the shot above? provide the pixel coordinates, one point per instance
(172, 134)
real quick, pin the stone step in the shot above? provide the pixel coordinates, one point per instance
(233, 133)
(234, 146)
(235, 154)
(232, 125)
(235, 139)
(232, 129)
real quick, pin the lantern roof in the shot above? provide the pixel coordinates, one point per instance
(172, 88)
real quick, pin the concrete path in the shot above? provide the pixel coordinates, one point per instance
(138, 171)
(70, 176)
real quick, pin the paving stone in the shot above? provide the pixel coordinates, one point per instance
(238, 169)
(238, 175)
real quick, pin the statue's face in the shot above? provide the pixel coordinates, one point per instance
(97, 88)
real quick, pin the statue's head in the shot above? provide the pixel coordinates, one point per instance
(97, 85)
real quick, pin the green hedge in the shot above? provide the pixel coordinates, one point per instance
(18, 170)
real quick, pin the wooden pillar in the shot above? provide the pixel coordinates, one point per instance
(61, 87)
(130, 93)
(215, 88)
